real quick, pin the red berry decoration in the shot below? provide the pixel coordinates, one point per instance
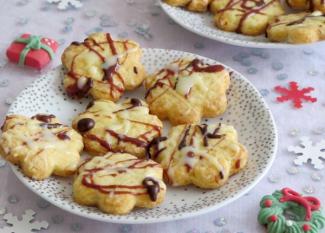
(273, 218)
(268, 203)
(31, 50)
(306, 227)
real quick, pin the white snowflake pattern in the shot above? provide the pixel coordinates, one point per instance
(25, 224)
(64, 4)
(307, 151)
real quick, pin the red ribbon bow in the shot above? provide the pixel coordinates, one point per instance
(309, 203)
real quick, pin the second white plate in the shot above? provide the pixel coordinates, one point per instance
(202, 24)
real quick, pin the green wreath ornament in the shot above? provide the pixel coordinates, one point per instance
(287, 211)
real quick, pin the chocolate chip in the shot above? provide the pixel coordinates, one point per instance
(135, 70)
(136, 102)
(85, 124)
(152, 187)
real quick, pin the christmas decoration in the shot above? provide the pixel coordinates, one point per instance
(307, 151)
(294, 94)
(65, 4)
(31, 50)
(305, 215)
(24, 224)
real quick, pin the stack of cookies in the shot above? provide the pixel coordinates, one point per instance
(130, 160)
(257, 17)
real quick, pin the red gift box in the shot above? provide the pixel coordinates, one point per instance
(33, 51)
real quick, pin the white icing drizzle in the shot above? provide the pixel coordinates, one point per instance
(47, 139)
(111, 194)
(173, 67)
(112, 60)
(190, 161)
(316, 13)
(81, 82)
(185, 83)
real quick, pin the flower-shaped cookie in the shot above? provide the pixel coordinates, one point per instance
(40, 145)
(297, 28)
(203, 155)
(118, 182)
(191, 5)
(126, 127)
(102, 67)
(187, 90)
(249, 17)
(311, 5)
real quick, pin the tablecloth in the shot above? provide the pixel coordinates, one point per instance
(144, 21)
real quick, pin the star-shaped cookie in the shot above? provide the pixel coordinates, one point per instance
(40, 145)
(309, 5)
(102, 67)
(118, 182)
(203, 155)
(191, 5)
(119, 127)
(249, 17)
(186, 90)
(297, 28)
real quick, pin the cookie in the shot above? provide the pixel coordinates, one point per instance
(305, 212)
(40, 145)
(297, 28)
(186, 90)
(118, 127)
(191, 5)
(102, 67)
(310, 5)
(248, 17)
(118, 182)
(203, 155)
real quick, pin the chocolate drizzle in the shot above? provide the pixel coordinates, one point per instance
(63, 136)
(146, 188)
(182, 143)
(75, 91)
(90, 104)
(125, 138)
(110, 73)
(246, 9)
(44, 118)
(152, 187)
(134, 103)
(154, 145)
(198, 66)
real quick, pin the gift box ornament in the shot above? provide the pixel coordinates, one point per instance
(31, 50)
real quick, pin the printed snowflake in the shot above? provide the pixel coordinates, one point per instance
(64, 4)
(294, 94)
(25, 224)
(307, 151)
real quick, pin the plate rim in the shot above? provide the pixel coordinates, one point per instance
(231, 41)
(167, 218)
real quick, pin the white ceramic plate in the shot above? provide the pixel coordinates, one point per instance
(247, 111)
(202, 24)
